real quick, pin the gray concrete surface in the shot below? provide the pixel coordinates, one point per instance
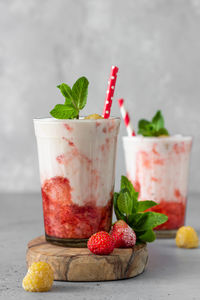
(155, 44)
(171, 273)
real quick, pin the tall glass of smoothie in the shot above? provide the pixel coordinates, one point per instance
(158, 168)
(77, 171)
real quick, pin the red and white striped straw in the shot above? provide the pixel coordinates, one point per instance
(110, 92)
(126, 118)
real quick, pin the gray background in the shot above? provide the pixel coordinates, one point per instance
(155, 44)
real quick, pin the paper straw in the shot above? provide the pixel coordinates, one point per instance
(110, 92)
(126, 118)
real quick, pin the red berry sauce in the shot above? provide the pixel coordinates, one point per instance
(64, 219)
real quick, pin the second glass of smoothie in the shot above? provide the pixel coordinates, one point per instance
(77, 171)
(158, 168)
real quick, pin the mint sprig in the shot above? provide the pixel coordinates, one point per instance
(155, 127)
(75, 99)
(128, 208)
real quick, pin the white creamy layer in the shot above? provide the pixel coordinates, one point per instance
(160, 165)
(83, 151)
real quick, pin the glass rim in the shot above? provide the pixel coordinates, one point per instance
(51, 120)
(177, 137)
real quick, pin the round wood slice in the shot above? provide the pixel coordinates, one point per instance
(79, 264)
(165, 234)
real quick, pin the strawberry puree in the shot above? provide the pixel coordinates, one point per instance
(158, 169)
(63, 219)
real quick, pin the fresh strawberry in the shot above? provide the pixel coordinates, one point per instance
(123, 235)
(101, 243)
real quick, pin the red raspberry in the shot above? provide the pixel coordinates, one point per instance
(123, 235)
(101, 243)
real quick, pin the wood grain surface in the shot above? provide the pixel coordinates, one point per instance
(79, 264)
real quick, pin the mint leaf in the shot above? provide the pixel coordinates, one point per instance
(150, 220)
(63, 111)
(158, 120)
(65, 90)
(143, 205)
(67, 93)
(143, 123)
(132, 220)
(147, 236)
(80, 92)
(162, 131)
(126, 184)
(118, 214)
(75, 99)
(148, 130)
(124, 202)
(138, 222)
(153, 128)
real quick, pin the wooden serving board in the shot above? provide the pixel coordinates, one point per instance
(79, 264)
(165, 234)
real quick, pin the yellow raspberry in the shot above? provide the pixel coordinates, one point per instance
(94, 117)
(186, 237)
(39, 277)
